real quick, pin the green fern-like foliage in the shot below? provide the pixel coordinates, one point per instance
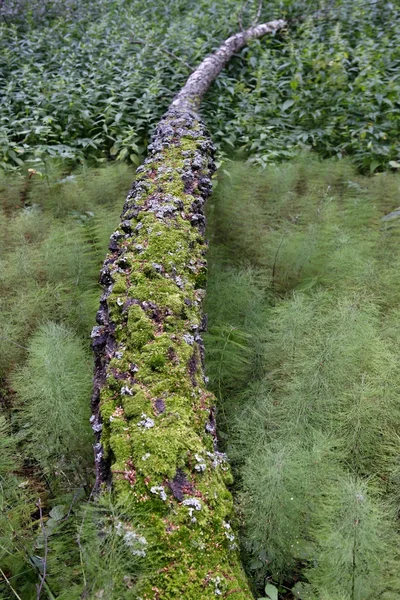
(51, 251)
(110, 555)
(280, 497)
(16, 507)
(301, 352)
(53, 390)
(312, 422)
(354, 524)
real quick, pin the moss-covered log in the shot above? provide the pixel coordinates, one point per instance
(154, 418)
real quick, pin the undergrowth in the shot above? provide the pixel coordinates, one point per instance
(302, 352)
(54, 233)
(91, 79)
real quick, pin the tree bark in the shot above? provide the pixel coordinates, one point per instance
(153, 416)
(190, 96)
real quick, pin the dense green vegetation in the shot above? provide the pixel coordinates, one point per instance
(53, 241)
(302, 292)
(303, 305)
(301, 353)
(90, 79)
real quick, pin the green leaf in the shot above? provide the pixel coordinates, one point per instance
(122, 154)
(271, 591)
(374, 165)
(394, 164)
(287, 104)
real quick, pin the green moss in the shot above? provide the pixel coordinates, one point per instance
(165, 292)
(154, 416)
(136, 404)
(140, 327)
(119, 444)
(119, 286)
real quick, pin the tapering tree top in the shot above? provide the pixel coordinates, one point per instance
(200, 80)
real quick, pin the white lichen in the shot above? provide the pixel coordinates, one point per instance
(189, 339)
(126, 391)
(146, 422)
(193, 502)
(134, 541)
(228, 533)
(217, 582)
(201, 465)
(159, 491)
(193, 505)
(97, 427)
(219, 459)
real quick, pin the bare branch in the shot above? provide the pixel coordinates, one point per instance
(9, 584)
(167, 52)
(240, 20)
(39, 587)
(4, 337)
(258, 15)
(200, 80)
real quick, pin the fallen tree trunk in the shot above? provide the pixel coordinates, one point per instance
(152, 414)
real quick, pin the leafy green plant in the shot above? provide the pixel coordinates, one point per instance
(327, 83)
(271, 591)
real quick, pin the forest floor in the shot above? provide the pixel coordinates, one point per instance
(301, 352)
(54, 234)
(302, 295)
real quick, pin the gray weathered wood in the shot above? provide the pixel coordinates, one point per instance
(200, 80)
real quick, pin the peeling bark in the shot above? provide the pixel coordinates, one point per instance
(153, 417)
